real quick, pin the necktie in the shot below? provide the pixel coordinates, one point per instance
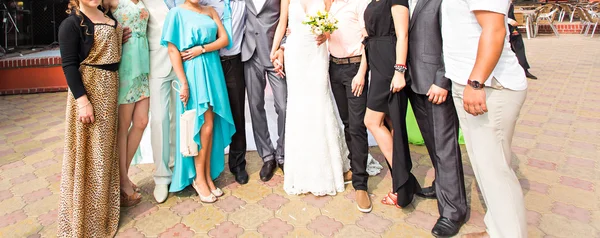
(228, 22)
(170, 3)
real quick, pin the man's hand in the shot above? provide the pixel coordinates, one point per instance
(126, 34)
(358, 84)
(322, 38)
(474, 101)
(512, 22)
(191, 53)
(277, 60)
(436, 94)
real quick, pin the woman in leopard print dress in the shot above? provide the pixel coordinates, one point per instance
(90, 46)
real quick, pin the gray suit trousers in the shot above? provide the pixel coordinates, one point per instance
(439, 127)
(256, 81)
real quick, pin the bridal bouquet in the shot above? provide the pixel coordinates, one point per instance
(321, 23)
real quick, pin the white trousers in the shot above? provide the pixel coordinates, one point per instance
(488, 140)
(163, 108)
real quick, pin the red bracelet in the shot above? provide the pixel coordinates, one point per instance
(401, 65)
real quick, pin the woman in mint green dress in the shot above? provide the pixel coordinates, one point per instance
(193, 35)
(134, 89)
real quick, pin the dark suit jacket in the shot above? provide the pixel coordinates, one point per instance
(425, 61)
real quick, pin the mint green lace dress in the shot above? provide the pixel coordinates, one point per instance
(135, 61)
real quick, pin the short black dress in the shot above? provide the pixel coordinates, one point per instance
(380, 47)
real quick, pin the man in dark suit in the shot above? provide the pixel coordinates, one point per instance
(436, 115)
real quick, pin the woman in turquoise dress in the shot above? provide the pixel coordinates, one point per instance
(193, 35)
(134, 89)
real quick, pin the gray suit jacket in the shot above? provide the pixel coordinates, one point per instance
(425, 61)
(260, 30)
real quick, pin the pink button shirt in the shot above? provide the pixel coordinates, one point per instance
(346, 41)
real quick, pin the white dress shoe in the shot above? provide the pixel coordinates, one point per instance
(161, 192)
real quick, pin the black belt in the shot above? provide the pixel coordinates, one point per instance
(230, 57)
(348, 60)
(391, 38)
(110, 67)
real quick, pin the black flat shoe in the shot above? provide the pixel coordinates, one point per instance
(267, 171)
(241, 176)
(281, 167)
(529, 75)
(445, 227)
(428, 192)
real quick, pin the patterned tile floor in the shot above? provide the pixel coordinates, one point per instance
(556, 147)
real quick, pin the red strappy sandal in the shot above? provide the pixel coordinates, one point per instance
(390, 200)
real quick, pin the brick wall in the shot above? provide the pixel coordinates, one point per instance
(562, 27)
(34, 62)
(36, 75)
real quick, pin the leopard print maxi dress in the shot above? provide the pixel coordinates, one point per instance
(89, 198)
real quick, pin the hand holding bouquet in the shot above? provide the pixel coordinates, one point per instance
(321, 23)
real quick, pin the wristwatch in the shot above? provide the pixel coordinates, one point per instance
(203, 49)
(475, 84)
(400, 68)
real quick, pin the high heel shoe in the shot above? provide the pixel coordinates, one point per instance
(208, 199)
(130, 200)
(218, 192)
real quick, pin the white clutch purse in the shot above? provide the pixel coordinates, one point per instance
(187, 145)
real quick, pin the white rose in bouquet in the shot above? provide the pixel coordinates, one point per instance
(318, 31)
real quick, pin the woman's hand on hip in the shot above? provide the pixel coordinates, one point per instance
(191, 53)
(126, 34)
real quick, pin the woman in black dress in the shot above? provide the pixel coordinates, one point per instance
(386, 22)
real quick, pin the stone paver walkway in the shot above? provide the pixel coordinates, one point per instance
(556, 146)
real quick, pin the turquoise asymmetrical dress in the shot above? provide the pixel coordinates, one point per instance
(186, 29)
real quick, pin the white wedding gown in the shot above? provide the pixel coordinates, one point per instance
(315, 149)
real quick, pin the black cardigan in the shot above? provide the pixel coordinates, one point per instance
(75, 42)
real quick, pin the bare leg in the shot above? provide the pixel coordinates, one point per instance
(125, 117)
(209, 181)
(383, 136)
(206, 133)
(140, 121)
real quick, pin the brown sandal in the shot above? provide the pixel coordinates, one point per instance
(130, 200)
(135, 187)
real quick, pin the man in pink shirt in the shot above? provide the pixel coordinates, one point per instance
(349, 86)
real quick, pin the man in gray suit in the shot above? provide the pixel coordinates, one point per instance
(262, 17)
(436, 115)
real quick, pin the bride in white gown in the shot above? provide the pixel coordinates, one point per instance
(315, 150)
